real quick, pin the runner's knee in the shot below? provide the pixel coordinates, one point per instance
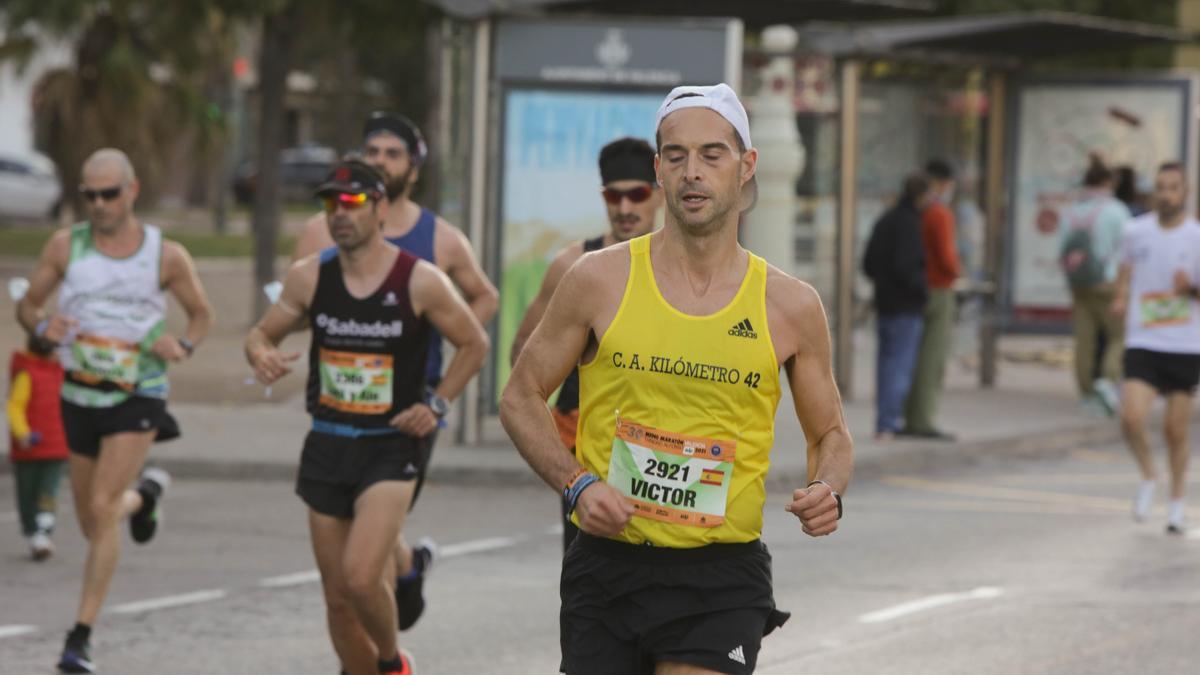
(105, 509)
(362, 580)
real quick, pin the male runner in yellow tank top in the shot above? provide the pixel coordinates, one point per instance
(681, 335)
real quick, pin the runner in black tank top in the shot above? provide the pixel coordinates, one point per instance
(632, 201)
(371, 308)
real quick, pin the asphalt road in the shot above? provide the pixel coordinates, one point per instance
(1031, 567)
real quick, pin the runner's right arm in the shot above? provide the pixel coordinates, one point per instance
(537, 309)
(50, 270)
(552, 351)
(285, 316)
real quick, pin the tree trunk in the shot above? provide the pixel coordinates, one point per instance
(274, 61)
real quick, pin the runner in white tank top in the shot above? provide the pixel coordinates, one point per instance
(113, 274)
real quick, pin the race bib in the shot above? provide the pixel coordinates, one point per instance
(1164, 309)
(671, 477)
(356, 383)
(99, 359)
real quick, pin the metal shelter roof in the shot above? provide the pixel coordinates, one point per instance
(1011, 37)
(755, 13)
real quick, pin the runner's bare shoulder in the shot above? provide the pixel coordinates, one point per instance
(794, 308)
(300, 282)
(57, 249)
(595, 284)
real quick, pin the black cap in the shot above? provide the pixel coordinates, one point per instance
(353, 177)
(403, 128)
(627, 159)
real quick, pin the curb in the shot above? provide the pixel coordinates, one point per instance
(900, 457)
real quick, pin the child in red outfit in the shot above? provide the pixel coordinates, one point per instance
(38, 444)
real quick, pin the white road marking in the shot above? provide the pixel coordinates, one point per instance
(447, 551)
(168, 601)
(14, 631)
(930, 602)
(476, 546)
(282, 581)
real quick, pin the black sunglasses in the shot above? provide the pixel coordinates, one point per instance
(107, 194)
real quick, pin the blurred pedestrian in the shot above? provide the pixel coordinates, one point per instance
(38, 445)
(1126, 190)
(1157, 293)
(895, 263)
(1089, 239)
(942, 269)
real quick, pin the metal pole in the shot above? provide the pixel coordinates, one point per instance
(472, 409)
(989, 326)
(847, 218)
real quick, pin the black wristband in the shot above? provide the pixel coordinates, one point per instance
(835, 494)
(187, 345)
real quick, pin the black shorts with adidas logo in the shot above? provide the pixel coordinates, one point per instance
(626, 607)
(335, 470)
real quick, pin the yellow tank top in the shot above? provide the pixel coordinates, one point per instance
(678, 411)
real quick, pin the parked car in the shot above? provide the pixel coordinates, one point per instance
(301, 170)
(29, 187)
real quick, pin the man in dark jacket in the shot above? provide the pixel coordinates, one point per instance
(895, 262)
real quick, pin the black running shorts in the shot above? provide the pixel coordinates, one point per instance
(335, 470)
(85, 427)
(626, 608)
(426, 445)
(1167, 373)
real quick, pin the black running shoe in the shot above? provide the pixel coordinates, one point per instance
(410, 599)
(75, 657)
(144, 522)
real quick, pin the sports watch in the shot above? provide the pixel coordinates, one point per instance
(439, 406)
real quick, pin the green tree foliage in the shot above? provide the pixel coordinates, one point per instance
(136, 82)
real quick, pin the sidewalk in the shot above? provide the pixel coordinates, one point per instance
(1033, 412)
(231, 431)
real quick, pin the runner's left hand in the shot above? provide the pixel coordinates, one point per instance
(168, 349)
(816, 507)
(417, 420)
(1183, 285)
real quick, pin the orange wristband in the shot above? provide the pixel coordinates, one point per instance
(579, 473)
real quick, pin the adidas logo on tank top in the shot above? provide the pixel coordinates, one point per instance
(744, 329)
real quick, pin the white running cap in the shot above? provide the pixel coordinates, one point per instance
(719, 98)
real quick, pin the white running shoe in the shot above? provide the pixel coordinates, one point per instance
(1143, 500)
(40, 546)
(1109, 396)
(1176, 520)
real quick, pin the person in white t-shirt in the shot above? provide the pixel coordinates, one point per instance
(1158, 295)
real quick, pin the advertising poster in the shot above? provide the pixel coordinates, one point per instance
(1136, 123)
(550, 190)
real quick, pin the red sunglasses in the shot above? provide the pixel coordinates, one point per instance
(348, 201)
(636, 195)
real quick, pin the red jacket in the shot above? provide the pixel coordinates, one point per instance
(941, 255)
(44, 411)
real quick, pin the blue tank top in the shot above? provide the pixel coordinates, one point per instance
(419, 242)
